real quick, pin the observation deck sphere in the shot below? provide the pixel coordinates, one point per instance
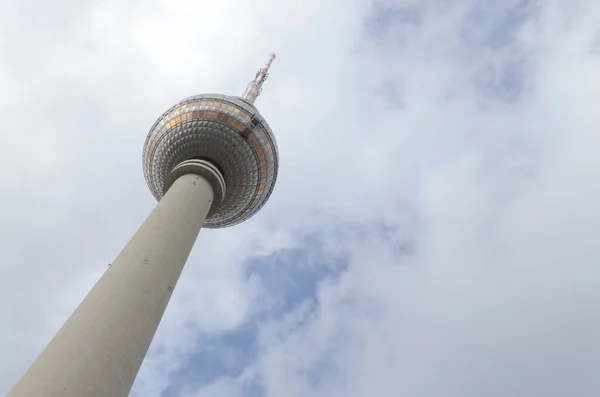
(230, 133)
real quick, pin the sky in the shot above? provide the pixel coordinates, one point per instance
(434, 228)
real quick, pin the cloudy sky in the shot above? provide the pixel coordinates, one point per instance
(435, 226)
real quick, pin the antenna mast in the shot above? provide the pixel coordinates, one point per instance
(254, 88)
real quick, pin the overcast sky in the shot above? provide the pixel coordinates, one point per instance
(434, 230)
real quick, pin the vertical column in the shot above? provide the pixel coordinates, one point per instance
(99, 350)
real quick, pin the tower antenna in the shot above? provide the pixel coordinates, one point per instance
(254, 88)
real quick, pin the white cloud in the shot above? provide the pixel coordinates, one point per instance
(462, 129)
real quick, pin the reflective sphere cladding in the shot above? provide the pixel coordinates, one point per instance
(229, 132)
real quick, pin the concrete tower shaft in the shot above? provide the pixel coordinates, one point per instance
(99, 350)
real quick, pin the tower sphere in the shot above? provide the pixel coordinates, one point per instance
(226, 131)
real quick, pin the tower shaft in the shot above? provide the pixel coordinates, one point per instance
(99, 350)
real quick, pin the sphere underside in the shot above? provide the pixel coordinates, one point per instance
(226, 131)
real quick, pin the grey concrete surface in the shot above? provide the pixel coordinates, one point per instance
(99, 350)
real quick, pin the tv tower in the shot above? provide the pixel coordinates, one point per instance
(211, 160)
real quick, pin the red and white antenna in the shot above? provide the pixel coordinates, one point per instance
(254, 88)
